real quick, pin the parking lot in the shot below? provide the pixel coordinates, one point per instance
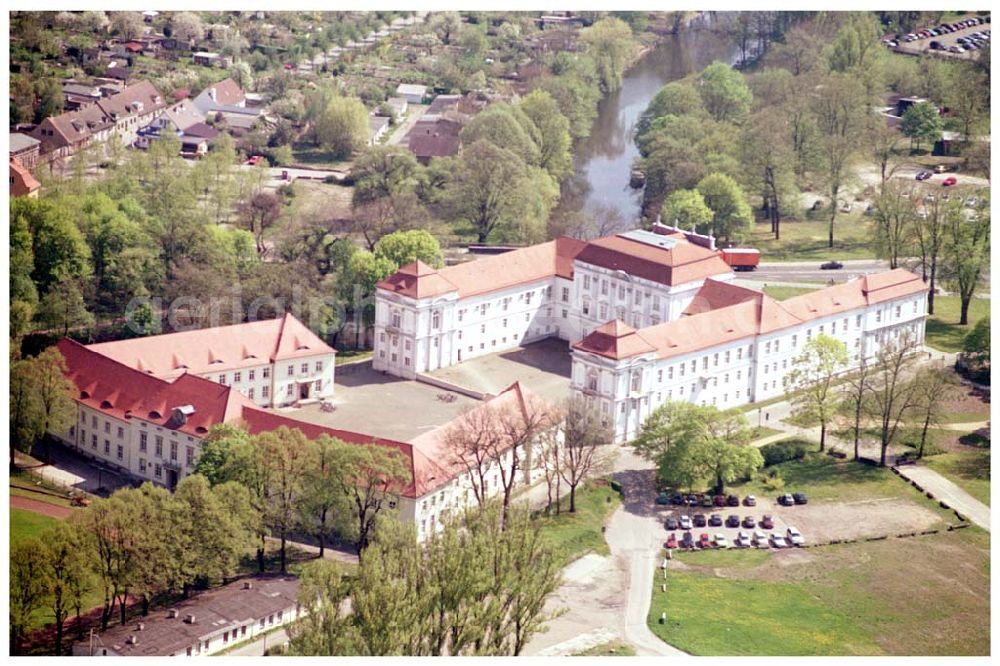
(947, 40)
(818, 522)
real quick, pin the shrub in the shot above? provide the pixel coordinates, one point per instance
(779, 452)
(774, 483)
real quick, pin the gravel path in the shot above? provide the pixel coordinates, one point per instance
(949, 493)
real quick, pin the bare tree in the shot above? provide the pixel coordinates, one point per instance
(894, 215)
(929, 232)
(546, 455)
(855, 393)
(584, 449)
(932, 386)
(892, 394)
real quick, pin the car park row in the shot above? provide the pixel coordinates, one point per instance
(752, 532)
(792, 538)
(976, 40)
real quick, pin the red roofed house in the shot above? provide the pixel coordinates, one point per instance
(149, 420)
(22, 183)
(431, 318)
(734, 346)
(273, 362)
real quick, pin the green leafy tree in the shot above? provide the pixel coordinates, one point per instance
(63, 308)
(506, 127)
(215, 536)
(967, 254)
(554, 140)
(342, 127)
(404, 247)
(687, 210)
(217, 459)
(489, 188)
(610, 43)
(323, 508)
(55, 391)
(724, 92)
(977, 342)
(812, 379)
(59, 249)
(731, 215)
(383, 171)
(27, 417)
(378, 473)
(27, 588)
(286, 454)
(65, 574)
(922, 124)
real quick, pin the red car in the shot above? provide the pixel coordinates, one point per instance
(704, 541)
(254, 160)
(719, 500)
(949, 181)
(766, 523)
(671, 542)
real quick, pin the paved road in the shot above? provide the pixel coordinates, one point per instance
(949, 493)
(809, 271)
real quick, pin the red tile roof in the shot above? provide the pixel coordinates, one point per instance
(22, 182)
(715, 294)
(684, 262)
(227, 93)
(220, 348)
(616, 340)
(487, 274)
(122, 392)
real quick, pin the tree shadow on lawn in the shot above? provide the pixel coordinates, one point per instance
(973, 466)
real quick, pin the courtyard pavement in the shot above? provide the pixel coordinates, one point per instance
(376, 404)
(544, 367)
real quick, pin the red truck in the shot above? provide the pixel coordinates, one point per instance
(741, 258)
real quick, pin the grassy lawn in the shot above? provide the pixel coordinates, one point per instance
(573, 535)
(760, 432)
(824, 478)
(27, 524)
(969, 470)
(855, 599)
(781, 293)
(353, 355)
(609, 649)
(309, 155)
(943, 330)
(806, 240)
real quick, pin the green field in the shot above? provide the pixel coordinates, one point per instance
(573, 535)
(943, 330)
(868, 598)
(27, 524)
(806, 240)
(970, 470)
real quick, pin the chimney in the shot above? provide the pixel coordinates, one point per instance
(172, 613)
(140, 626)
(247, 585)
(189, 618)
(211, 93)
(132, 640)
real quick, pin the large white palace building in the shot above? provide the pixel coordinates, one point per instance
(651, 316)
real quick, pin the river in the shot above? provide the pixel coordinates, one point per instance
(604, 160)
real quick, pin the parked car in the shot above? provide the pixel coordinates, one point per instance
(720, 500)
(662, 499)
(704, 541)
(949, 181)
(720, 541)
(778, 541)
(766, 522)
(685, 522)
(254, 160)
(749, 500)
(742, 540)
(956, 49)
(699, 520)
(693, 500)
(800, 498)
(733, 520)
(760, 539)
(831, 266)
(715, 520)
(671, 542)
(706, 501)
(671, 523)
(687, 541)
(923, 174)
(786, 500)
(795, 537)
(733, 500)
(677, 499)
(749, 522)
(940, 168)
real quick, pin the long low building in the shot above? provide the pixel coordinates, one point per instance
(145, 406)
(204, 624)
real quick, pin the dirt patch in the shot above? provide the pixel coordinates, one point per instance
(44, 508)
(969, 401)
(853, 520)
(958, 442)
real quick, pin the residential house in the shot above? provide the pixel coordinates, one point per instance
(22, 183)
(175, 121)
(25, 148)
(222, 96)
(133, 109)
(77, 96)
(209, 59)
(434, 137)
(64, 134)
(204, 623)
(377, 128)
(411, 92)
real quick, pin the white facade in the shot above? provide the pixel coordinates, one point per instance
(421, 334)
(734, 373)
